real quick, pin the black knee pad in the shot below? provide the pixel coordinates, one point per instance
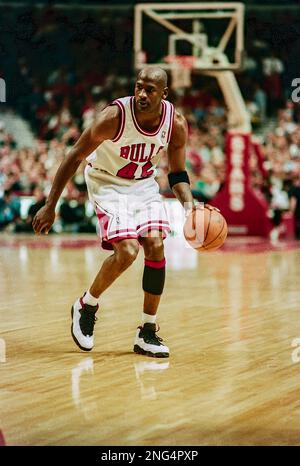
(154, 276)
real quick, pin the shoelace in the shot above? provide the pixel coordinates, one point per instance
(150, 336)
(87, 322)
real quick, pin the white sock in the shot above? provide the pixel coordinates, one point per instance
(147, 318)
(90, 299)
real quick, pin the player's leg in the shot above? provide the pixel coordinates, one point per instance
(146, 341)
(154, 273)
(125, 252)
(85, 308)
(152, 228)
(117, 233)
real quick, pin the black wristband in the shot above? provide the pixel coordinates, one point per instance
(178, 177)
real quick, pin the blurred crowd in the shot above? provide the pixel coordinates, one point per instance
(278, 179)
(60, 92)
(52, 84)
(29, 172)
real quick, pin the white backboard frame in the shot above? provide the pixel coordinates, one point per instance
(166, 13)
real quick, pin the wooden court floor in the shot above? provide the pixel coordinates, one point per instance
(230, 319)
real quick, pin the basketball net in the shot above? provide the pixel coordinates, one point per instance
(181, 70)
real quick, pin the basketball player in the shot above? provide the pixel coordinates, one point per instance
(122, 149)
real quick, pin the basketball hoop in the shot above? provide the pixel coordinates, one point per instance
(181, 68)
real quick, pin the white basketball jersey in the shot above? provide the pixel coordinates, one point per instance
(134, 153)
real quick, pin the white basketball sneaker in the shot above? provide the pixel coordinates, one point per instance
(148, 343)
(83, 322)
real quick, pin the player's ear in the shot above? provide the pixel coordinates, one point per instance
(165, 92)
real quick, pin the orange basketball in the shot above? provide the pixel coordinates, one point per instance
(205, 229)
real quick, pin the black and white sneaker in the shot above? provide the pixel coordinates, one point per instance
(83, 322)
(148, 343)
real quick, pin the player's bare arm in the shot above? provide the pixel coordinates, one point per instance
(105, 127)
(176, 158)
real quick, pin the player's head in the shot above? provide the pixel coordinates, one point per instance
(150, 88)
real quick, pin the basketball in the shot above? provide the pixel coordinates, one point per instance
(205, 229)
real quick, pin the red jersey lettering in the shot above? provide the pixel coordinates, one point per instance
(138, 152)
(125, 152)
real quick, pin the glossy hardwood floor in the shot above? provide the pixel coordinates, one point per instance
(229, 318)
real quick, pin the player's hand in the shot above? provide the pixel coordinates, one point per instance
(199, 206)
(191, 208)
(43, 220)
(211, 207)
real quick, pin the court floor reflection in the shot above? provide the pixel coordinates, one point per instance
(146, 375)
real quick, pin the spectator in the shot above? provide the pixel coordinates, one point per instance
(294, 195)
(279, 204)
(10, 209)
(72, 213)
(272, 69)
(40, 199)
(260, 99)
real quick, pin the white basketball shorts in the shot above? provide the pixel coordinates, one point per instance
(134, 211)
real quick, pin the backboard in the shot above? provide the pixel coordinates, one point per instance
(210, 33)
